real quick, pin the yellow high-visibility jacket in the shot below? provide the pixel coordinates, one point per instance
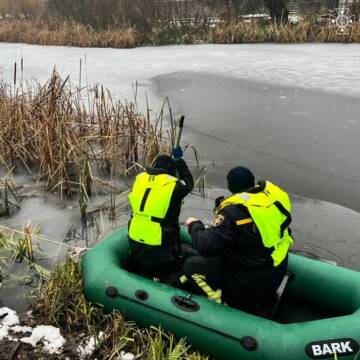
(270, 210)
(150, 199)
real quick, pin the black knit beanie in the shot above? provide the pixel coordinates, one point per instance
(239, 179)
(167, 163)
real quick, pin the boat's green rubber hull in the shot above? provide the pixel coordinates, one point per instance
(222, 331)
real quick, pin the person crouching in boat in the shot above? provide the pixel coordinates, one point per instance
(154, 232)
(244, 254)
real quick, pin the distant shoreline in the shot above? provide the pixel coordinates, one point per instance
(226, 32)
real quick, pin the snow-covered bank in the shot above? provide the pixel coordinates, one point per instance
(48, 338)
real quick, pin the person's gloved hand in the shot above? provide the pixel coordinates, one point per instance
(190, 220)
(177, 153)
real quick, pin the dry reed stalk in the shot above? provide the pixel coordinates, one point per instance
(47, 33)
(62, 302)
(27, 243)
(9, 198)
(307, 30)
(48, 130)
(231, 31)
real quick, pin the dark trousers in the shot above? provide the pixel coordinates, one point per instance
(159, 263)
(246, 289)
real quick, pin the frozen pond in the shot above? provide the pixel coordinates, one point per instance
(329, 67)
(316, 227)
(290, 112)
(306, 140)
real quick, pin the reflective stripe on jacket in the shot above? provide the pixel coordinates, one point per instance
(270, 209)
(150, 199)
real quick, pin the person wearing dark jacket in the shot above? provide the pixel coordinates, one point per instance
(156, 200)
(243, 256)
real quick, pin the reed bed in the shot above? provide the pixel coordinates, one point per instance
(308, 30)
(9, 197)
(58, 299)
(62, 303)
(21, 249)
(48, 130)
(47, 33)
(224, 32)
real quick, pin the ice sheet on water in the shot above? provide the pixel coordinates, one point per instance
(330, 67)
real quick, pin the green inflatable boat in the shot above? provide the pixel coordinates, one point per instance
(318, 316)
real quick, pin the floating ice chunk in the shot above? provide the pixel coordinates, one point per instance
(50, 337)
(8, 317)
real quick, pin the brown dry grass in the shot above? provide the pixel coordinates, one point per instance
(61, 302)
(226, 32)
(45, 33)
(235, 32)
(50, 131)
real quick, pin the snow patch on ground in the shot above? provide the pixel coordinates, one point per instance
(21, 329)
(126, 356)
(49, 336)
(4, 333)
(8, 317)
(88, 346)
